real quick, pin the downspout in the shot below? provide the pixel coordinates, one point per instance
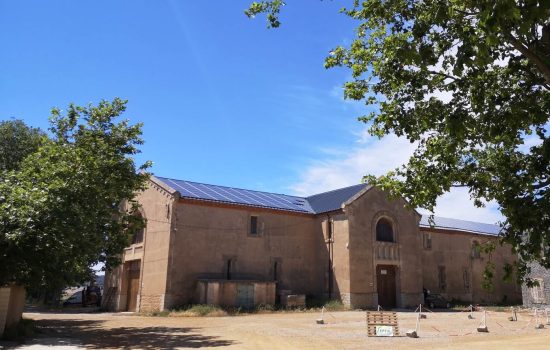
(141, 267)
(330, 234)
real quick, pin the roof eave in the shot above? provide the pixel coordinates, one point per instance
(164, 186)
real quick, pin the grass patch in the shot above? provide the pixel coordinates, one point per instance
(335, 305)
(20, 331)
(198, 310)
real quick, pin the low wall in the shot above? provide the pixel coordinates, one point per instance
(226, 292)
(12, 302)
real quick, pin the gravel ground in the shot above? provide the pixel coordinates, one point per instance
(290, 330)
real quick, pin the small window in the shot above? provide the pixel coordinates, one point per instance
(276, 271)
(384, 231)
(330, 228)
(537, 292)
(228, 269)
(442, 278)
(466, 278)
(476, 250)
(427, 241)
(253, 225)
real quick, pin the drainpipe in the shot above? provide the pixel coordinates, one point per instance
(330, 234)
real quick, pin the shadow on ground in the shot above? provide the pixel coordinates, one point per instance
(90, 334)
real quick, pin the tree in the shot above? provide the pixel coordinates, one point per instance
(60, 211)
(17, 141)
(469, 83)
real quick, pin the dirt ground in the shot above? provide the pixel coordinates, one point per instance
(291, 330)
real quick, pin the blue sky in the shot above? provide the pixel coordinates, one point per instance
(223, 99)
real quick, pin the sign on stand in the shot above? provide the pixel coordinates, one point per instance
(382, 324)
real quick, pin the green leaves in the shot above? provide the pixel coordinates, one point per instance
(469, 81)
(17, 141)
(61, 210)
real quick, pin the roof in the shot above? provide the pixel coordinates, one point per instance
(333, 200)
(460, 225)
(316, 204)
(231, 195)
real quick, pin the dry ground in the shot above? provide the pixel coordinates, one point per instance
(291, 330)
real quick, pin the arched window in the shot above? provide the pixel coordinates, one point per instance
(384, 231)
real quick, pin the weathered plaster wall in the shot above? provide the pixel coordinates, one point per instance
(206, 236)
(463, 270)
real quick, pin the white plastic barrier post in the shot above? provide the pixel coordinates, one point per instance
(538, 325)
(322, 319)
(483, 326)
(414, 334)
(514, 316)
(471, 315)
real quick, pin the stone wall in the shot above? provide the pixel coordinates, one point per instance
(537, 272)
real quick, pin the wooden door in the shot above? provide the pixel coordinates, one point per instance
(245, 295)
(133, 284)
(386, 287)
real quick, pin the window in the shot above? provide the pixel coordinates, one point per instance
(229, 269)
(276, 271)
(442, 278)
(466, 278)
(253, 225)
(384, 231)
(137, 237)
(427, 241)
(330, 228)
(476, 250)
(537, 292)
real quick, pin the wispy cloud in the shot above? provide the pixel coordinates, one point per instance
(337, 168)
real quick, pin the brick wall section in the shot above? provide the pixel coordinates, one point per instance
(151, 302)
(537, 271)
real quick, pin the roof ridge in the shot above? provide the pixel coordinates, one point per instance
(235, 188)
(337, 189)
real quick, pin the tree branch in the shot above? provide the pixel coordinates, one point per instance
(531, 56)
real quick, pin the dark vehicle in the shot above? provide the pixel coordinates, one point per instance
(92, 296)
(434, 301)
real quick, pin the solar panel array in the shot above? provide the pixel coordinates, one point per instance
(461, 225)
(223, 194)
(316, 204)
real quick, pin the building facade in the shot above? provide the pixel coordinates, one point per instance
(214, 244)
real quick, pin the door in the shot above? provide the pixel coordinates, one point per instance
(245, 295)
(133, 284)
(385, 282)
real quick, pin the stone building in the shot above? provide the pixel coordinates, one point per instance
(539, 295)
(215, 244)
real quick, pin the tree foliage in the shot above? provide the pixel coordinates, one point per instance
(469, 83)
(17, 141)
(60, 211)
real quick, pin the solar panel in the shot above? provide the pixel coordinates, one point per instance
(195, 190)
(461, 225)
(316, 204)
